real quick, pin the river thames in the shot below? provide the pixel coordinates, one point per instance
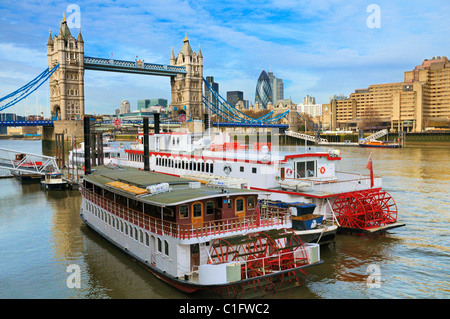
(41, 235)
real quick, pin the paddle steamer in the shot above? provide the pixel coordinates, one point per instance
(356, 202)
(196, 236)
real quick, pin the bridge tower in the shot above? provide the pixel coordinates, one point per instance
(67, 82)
(187, 88)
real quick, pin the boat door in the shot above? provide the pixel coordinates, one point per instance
(195, 257)
(197, 214)
(239, 208)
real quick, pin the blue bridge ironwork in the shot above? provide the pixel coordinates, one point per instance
(27, 123)
(139, 67)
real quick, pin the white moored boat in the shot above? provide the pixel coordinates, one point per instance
(194, 236)
(353, 200)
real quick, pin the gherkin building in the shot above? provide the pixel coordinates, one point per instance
(263, 93)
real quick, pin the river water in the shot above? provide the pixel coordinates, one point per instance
(41, 236)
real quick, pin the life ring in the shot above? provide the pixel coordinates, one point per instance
(322, 170)
(121, 145)
(289, 172)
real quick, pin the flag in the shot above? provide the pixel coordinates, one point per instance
(370, 167)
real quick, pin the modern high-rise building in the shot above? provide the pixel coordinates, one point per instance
(263, 94)
(309, 100)
(420, 102)
(277, 86)
(215, 86)
(124, 107)
(145, 104)
(235, 96)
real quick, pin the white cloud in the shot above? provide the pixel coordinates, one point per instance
(318, 47)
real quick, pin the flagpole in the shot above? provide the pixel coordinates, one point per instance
(370, 167)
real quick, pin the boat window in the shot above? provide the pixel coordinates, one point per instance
(126, 229)
(197, 210)
(209, 207)
(166, 248)
(211, 169)
(131, 232)
(135, 233)
(203, 166)
(184, 211)
(159, 245)
(239, 205)
(310, 169)
(241, 169)
(141, 236)
(207, 168)
(254, 170)
(306, 169)
(251, 203)
(147, 239)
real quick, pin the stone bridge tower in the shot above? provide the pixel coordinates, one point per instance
(187, 89)
(67, 82)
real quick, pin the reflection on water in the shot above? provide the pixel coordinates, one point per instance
(41, 234)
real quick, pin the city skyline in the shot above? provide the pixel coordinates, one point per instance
(322, 49)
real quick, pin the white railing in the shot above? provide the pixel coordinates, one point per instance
(376, 135)
(304, 136)
(269, 217)
(344, 182)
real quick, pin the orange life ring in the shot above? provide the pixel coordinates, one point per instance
(322, 170)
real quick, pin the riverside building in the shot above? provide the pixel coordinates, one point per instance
(421, 102)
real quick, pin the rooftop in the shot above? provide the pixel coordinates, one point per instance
(180, 192)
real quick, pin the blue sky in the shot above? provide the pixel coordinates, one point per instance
(318, 48)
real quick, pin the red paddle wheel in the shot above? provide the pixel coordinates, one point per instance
(265, 257)
(365, 209)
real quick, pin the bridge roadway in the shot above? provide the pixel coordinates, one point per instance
(27, 123)
(139, 67)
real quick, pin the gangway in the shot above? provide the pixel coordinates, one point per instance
(376, 135)
(305, 137)
(27, 162)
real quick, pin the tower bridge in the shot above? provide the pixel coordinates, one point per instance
(66, 67)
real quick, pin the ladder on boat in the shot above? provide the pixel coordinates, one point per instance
(27, 162)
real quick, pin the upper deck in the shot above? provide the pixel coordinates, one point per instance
(185, 210)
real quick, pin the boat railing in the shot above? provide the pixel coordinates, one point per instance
(267, 218)
(344, 182)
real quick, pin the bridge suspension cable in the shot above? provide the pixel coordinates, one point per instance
(21, 93)
(229, 113)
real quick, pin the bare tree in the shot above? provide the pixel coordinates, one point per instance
(370, 119)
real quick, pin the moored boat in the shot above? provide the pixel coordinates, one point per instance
(351, 199)
(379, 144)
(54, 181)
(194, 236)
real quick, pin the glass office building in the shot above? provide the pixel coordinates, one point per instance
(263, 93)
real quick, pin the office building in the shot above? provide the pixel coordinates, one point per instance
(419, 103)
(277, 86)
(234, 97)
(263, 94)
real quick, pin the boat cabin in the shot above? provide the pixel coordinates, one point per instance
(169, 221)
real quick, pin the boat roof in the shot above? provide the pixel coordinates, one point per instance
(180, 193)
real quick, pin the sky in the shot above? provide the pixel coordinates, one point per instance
(318, 48)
